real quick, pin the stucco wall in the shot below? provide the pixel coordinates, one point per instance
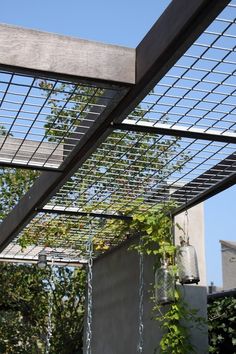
(115, 306)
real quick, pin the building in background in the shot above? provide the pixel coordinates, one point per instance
(228, 253)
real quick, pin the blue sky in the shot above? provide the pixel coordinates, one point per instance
(123, 23)
(116, 22)
(220, 224)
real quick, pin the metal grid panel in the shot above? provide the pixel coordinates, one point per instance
(61, 255)
(41, 119)
(68, 243)
(131, 172)
(199, 92)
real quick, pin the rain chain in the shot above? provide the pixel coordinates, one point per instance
(89, 251)
(141, 291)
(50, 308)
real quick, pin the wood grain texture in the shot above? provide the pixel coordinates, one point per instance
(48, 52)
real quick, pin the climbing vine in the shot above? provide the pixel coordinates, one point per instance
(156, 230)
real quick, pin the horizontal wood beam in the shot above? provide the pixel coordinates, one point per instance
(65, 56)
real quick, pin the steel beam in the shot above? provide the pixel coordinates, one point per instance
(227, 182)
(181, 132)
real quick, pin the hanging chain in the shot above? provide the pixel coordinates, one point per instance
(187, 225)
(50, 308)
(186, 219)
(186, 222)
(141, 291)
(89, 251)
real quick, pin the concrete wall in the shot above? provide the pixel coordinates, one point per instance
(116, 297)
(116, 303)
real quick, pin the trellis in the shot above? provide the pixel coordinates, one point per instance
(172, 97)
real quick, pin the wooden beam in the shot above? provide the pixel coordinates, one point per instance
(64, 56)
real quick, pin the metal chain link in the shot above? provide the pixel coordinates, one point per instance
(89, 251)
(187, 225)
(141, 291)
(50, 309)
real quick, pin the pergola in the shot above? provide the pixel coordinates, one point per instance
(147, 125)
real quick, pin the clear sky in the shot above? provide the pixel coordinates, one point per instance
(220, 224)
(116, 22)
(123, 23)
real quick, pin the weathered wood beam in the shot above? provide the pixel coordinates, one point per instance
(64, 56)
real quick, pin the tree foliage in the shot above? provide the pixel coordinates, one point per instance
(65, 117)
(222, 325)
(23, 318)
(24, 296)
(14, 183)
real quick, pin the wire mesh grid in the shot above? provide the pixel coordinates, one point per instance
(129, 173)
(62, 237)
(199, 92)
(132, 171)
(41, 119)
(61, 255)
